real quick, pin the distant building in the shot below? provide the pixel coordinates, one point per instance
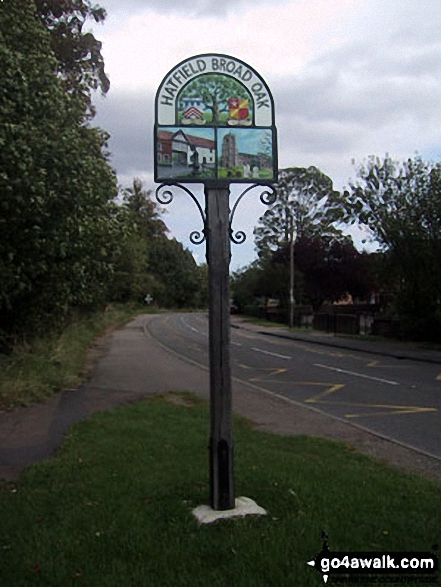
(164, 151)
(232, 158)
(256, 160)
(178, 147)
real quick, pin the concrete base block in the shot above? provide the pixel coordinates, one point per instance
(244, 507)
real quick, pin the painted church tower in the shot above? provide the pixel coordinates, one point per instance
(229, 151)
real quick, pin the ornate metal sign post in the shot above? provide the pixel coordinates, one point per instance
(215, 126)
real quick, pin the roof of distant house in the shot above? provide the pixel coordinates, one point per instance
(200, 142)
(165, 135)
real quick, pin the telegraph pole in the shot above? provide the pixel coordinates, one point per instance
(292, 301)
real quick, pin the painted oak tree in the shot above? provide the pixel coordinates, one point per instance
(306, 205)
(215, 91)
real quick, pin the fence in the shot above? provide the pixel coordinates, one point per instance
(350, 319)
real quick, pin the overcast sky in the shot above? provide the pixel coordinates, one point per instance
(350, 78)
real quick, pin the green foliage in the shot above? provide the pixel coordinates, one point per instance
(176, 271)
(65, 243)
(396, 200)
(55, 185)
(143, 210)
(146, 261)
(326, 269)
(265, 279)
(245, 286)
(203, 293)
(330, 268)
(139, 223)
(129, 280)
(33, 372)
(400, 204)
(78, 54)
(306, 205)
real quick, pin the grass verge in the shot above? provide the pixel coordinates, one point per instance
(114, 507)
(34, 372)
(268, 323)
(262, 322)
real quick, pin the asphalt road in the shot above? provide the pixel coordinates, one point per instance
(399, 399)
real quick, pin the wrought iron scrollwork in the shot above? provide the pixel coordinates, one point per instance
(164, 196)
(267, 197)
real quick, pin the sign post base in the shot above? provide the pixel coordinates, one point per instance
(244, 506)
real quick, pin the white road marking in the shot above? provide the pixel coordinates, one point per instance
(270, 353)
(236, 343)
(356, 374)
(188, 325)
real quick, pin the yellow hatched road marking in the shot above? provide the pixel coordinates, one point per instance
(331, 388)
(390, 410)
(272, 373)
(268, 372)
(386, 409)
(263, 378)
(380, 365)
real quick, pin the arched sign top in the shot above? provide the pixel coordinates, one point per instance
(183, 79)
(214, 124)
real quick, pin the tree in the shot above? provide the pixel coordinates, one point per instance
(130, 280)
(79, 60)
(245, 287)
(175, 268)
(203, 298)
(399, 203)
(55, 185)
(331, 268)
(146, 261)
(306, 205)
(140, 223)
(266, 144)
(215, 91)
(327, 269)
(144, 212)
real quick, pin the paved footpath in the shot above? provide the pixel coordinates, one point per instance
(132, 366)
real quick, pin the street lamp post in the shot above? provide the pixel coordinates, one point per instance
(292, 301)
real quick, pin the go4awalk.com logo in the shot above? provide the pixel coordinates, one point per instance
(375, 567)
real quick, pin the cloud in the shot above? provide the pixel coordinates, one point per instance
(361, 97)
(189, 8)
(140, 49)
(128, 118)
(349, 78)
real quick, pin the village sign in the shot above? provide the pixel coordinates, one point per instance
(215, 124)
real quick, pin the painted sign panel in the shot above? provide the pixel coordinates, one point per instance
(185, 153)
(215, 123)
